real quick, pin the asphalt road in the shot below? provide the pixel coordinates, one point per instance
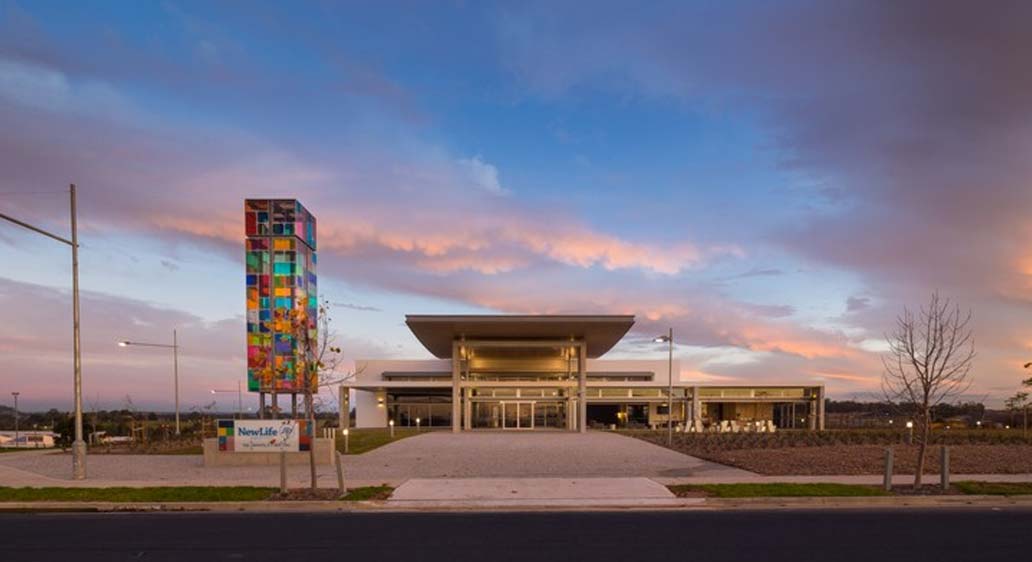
(725, 536)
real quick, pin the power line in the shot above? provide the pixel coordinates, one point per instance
(33, 192)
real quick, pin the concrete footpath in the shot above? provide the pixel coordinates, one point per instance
(601, 493)
(675, 504)
(522, 492)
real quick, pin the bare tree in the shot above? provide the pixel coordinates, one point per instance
(1019, 403)
(317, 357)
(928, 363)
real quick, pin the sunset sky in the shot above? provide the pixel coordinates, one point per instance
(774, 180)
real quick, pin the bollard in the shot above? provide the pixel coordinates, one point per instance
(944, 465)
(283, 472)
(340, 474)
(888, 469)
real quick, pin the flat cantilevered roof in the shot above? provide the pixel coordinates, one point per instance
(599, 332)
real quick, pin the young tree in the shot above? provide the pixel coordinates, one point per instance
(1019, 403)
(928, 363)
(317, 356)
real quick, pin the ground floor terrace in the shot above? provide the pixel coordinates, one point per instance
(695, 408)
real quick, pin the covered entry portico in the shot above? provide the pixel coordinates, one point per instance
(519, 372)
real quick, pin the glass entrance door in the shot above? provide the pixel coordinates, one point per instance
(517, 415)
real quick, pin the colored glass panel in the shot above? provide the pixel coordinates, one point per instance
(280, 277)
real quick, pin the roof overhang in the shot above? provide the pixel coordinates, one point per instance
(599, 333)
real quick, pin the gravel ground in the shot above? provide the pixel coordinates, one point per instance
(870, 459)
(433, 455)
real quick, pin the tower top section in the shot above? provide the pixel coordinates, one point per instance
(279, 217)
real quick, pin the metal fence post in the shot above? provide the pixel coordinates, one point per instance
(888, 469)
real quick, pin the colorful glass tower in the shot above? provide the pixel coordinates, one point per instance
(280, 279)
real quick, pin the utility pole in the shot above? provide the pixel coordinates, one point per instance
(78, 446)
(175, 373)
(15, 394)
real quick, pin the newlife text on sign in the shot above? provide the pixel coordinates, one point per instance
(259, 436)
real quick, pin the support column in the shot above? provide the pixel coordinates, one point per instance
(467, 409)
(571, 413)
(696, 408)
(455, 395)
(582, 390)
(820, 409)
(344, 415)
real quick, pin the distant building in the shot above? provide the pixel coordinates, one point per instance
(28, 439)
(280, 263)
(546, 373)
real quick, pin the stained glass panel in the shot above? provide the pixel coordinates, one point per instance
(280, 276)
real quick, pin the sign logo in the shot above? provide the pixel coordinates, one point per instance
(264, 436)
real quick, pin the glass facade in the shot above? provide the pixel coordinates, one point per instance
(280, 271)
(429, 410)
(518, 414)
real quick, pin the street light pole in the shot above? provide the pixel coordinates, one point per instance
(240, 398)
(78, 446)
(175, 373)
(669, 339)
(15, 394)
(175, 365)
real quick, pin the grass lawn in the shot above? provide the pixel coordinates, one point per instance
(190, 449)
(156, 494)
(995, 488)
(776, 490)
(366, 439)
(175, 494)
(369, 493)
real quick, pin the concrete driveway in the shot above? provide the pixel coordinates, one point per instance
(437, 454)
(528, 455)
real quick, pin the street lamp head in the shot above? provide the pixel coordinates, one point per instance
(123, 344)
(660, 339)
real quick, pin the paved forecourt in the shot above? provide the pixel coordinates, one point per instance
(436, 455)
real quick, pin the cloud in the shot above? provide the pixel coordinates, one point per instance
(854, 304)
(211, 354)
(904, 131)
(358, 307)
(483, 175)
(913, 119)
(759, 272)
